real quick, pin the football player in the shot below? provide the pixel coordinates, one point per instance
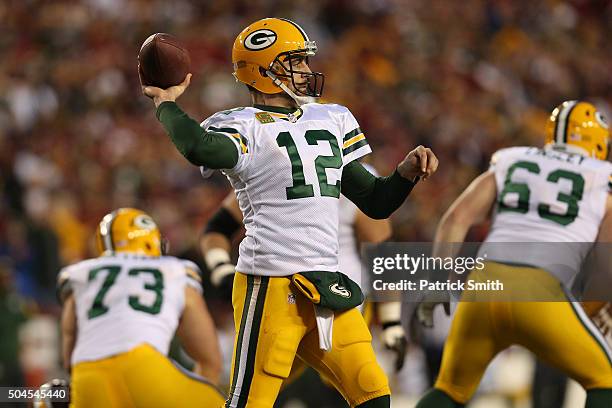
(120, 312)
(288, 158)
(354, 227)
(560, 194)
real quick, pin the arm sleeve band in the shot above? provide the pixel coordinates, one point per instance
(377, 197)
(222, 222)
(201, 148)
(63, 290)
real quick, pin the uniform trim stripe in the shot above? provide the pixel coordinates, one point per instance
(298, 27)
(241, 142)
(353, 140)
(253, 342)
(562, 122)
(240, 334)
(589, 326)
(223, 129)
(194, 275)
(246, 346)
(354, 147)
(106, 231)
(351, 134)
(63, 289)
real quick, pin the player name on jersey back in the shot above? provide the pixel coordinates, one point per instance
(125, 300)
(547, 196)
(287, 181)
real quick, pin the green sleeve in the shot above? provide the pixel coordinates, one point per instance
(377, 197)
(209, 149)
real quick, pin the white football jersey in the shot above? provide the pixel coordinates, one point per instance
(349, 258)
(125, 300)
(287, 181)
(547, 196)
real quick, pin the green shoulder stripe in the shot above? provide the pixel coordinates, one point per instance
(351, 134)
(223, 129)
(354, 147)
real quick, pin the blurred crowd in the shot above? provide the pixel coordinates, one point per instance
(77, 138)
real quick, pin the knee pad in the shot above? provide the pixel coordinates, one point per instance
(362, 370)
(371, 378)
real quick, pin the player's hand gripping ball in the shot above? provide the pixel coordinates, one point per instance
(163, 61)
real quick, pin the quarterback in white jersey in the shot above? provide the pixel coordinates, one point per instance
(288, 158)
(120, 313)
(281, 221)
(560, 196)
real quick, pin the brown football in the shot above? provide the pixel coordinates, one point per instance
(163, 61)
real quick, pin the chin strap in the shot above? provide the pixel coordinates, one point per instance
(300, 100)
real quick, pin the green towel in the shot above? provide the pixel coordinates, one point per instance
(333, 290)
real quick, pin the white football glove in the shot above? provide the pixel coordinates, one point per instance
(393, 334)
(222, 271)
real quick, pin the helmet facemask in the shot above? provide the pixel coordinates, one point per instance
(289, 63)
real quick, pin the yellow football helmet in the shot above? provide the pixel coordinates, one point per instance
(128, 230)
(578, 127)
(264, 46)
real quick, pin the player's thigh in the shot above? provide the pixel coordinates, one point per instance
(154, 381)
(562, 334)
(270, 322)
(470, 346)
(351, 364)
(98, 385)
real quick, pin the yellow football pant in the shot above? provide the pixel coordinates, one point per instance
(298, 368)
(274, 323)
(559, 333)
(141, 377)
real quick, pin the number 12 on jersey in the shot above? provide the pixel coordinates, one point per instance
(300, 189)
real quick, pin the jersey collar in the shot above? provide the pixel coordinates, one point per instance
(277, 109)
(278, 112)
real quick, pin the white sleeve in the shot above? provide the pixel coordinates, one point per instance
(354, 142)
(193, 275)
(494, 162)
(64, 285)
(236, 131)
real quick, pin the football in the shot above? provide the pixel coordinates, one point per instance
(163, 61)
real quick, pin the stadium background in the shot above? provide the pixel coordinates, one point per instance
(78, 139)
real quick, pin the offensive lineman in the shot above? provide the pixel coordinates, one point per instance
(288, 159)
(120, 312)
(560, 194)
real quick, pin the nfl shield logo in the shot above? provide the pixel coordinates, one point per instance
(291, 299)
